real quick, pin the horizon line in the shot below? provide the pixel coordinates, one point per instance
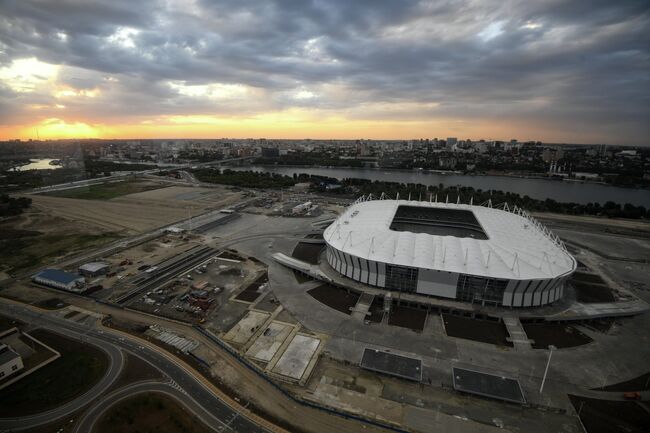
(316, 139)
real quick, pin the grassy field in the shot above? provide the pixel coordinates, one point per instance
(76, 371)
(149, 413)
(33, 249)
(106, 191)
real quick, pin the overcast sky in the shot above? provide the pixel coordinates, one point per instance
(563, 71)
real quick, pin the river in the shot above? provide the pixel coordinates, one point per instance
(38, 164)
(540, 189)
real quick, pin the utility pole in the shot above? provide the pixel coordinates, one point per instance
(551, 348)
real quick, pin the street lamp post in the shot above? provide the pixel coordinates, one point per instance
(548, 363)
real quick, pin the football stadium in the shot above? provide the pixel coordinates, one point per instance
(479, 254)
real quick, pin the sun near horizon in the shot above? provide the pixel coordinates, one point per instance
(184, 69)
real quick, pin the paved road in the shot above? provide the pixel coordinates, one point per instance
(116, 363)
(198, 394)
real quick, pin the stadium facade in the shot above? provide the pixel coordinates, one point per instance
(481, 254)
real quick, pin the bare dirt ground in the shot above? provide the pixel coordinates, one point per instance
(138, 212)
(477, 330)
(559, 335)
(37, 236)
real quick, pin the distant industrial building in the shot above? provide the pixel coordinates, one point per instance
(10, 361)
(60, 280)
(94, 269)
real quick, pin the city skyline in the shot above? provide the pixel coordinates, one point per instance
(561, 72)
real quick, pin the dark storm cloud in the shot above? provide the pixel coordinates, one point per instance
(547, 61)
(77, 16)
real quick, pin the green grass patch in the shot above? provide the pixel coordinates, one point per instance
(149, 413)
(105, 191)
(19, 253)
(78, 369)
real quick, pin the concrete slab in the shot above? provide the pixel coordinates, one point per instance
(428, 421)
(268, 303)
(361, 310)
(268, 343)
(286, 317)
(296, 358)
(434, 325)
(246, 327)
(517, 333)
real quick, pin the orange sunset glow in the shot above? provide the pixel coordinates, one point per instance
(412, 75)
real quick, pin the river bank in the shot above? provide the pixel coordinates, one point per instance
(38, 164)
(516, 175)
(534, 187)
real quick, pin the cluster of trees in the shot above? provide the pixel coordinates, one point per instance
(19, 180)
(353, 187)
(630, 179)
(453, 193)
(629, 174)
(510, 164)
(10, 206)
(309, 159)
(95, 167)
(246, 179)
(203, 156)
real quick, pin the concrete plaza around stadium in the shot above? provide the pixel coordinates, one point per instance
(345, 337)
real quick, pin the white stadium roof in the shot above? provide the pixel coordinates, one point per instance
(518, 247)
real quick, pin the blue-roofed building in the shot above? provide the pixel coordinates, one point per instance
(60, 280)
